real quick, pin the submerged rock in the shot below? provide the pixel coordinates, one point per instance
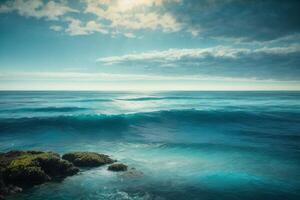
(117, 167)
(132, 173)
(87, 159)
(28, 168)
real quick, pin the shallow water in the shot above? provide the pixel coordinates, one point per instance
(183, 145)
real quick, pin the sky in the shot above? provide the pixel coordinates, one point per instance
(149, 45)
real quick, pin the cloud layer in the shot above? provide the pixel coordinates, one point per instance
(253, 20)
(134, 15)
(280, 63)
(50, 10)
(109, 16)
(231, 39)
(239, 20)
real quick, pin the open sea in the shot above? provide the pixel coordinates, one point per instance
(184, 145)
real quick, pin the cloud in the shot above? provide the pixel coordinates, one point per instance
(253, 20)
(174, 55)
(236, 21)
(119, 16)
(135, 15)
(76, 27)
(280, 63)
(56, 28)
(51, 10)
(129, 35)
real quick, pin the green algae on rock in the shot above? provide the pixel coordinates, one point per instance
(117, 167)
(28, 168)
(54, 166)
(87, 159)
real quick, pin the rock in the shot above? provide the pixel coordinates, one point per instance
(117, 167)
(54, 166)
(28, 168)
(132, 173)
(14, 189)
(87, 159)
(25, 176)
(23, 169)
(3, 188)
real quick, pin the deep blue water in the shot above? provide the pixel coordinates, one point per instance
(188, 145)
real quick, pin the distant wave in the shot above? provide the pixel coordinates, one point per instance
(94, 100)
(45, 109)
(124, 121)
(156, 98)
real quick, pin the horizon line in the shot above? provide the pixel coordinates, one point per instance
(63, 90)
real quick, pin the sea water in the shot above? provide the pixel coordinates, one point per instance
(183, 145)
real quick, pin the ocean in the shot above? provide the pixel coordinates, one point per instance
(185, 145)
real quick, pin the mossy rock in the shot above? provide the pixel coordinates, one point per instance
(28, 168)
(54, 166)
(87, 159)
(25, 176)
(117, 167)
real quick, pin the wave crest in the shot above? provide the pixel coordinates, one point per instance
(124, 121)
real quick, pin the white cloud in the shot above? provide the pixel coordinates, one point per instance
(134, 15)
(51, 10)
(173, 55)
(280, 63)
(279, 50)
(56, 28)
(194, 31)
(120, 17)
(129, 35)
(76, 27)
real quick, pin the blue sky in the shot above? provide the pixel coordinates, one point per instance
(149, 45)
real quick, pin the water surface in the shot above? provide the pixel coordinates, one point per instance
(187, 145)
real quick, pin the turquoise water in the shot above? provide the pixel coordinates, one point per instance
(183, 145)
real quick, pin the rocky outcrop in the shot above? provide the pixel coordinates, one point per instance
(87, 159)
(117, 167)
(23, 169)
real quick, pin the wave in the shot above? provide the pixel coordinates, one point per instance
(157, 98)
(159, 118)
(94, 100)
(46, 109)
